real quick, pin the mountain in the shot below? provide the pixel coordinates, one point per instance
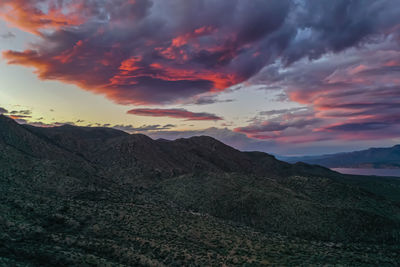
(97, 196)
(370, 158)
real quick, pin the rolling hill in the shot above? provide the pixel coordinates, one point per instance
(98, 196)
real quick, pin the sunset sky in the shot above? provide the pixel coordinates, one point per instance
(286, 77)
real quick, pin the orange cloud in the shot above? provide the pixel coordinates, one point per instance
(28, 17)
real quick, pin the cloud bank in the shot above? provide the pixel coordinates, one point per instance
(157, 52)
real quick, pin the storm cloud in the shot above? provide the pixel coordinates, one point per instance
(159, 52)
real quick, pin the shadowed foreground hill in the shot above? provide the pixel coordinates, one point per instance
(97, 196)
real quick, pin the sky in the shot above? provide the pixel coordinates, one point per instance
(285, 77)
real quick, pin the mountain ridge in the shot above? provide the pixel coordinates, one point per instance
(387, 157)
(71, 184)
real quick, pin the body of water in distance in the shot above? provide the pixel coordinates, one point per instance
(377, 172)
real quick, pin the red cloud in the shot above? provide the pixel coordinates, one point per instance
(132, 56)
(133, 80)
(132, 69)
(30, 17)
(175, 113)
(183, 39)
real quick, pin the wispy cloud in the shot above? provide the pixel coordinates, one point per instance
(7, 35)
(209, 99)
(143, 128)
(175, 113)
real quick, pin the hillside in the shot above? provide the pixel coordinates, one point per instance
(101, 196)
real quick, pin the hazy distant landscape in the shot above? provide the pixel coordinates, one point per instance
(373, 160)
(364, 171)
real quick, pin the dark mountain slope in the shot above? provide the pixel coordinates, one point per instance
(46, 230)
(77, 132)
(92, 191)
(138, 155)
(318, 208)
(29, 160)
(78, 140)
(253, 188)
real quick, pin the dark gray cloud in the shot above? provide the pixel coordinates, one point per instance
(367, 126)
(336, 25)
(18, 115)
(209, 99)
(174, 113)
(20, 112)
(143, 128)
(272, 126)
(282, 111)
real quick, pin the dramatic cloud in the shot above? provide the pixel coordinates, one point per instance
(354, 95)
(175, 113)
(157, 52)
(286, 125)
(340, 60)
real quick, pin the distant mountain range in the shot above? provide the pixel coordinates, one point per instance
(370, 158)
(72, 195)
